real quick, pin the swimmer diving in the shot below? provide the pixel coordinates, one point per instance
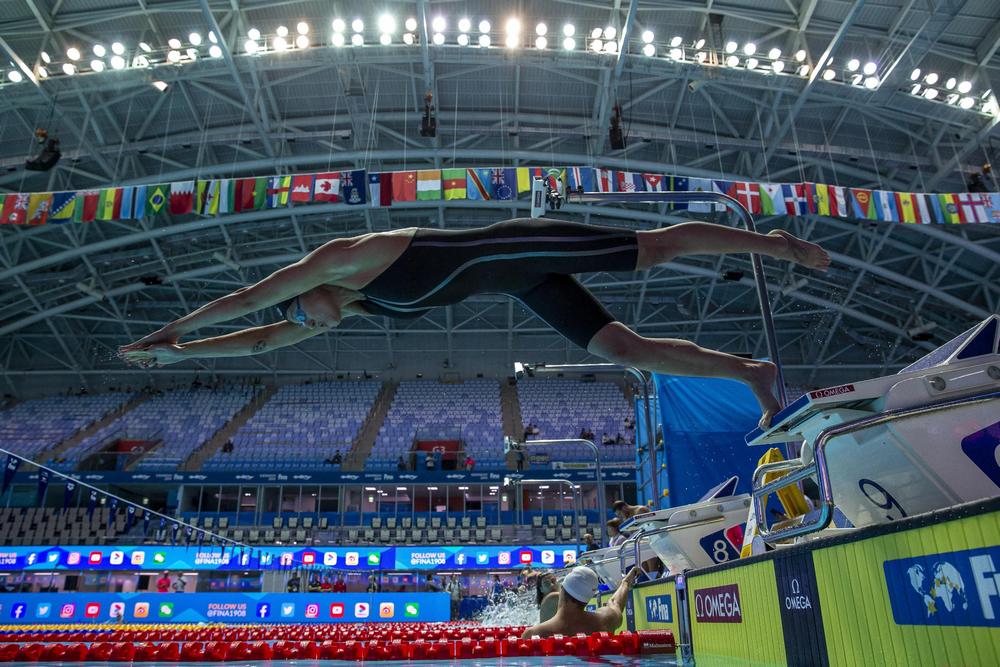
(406, 272)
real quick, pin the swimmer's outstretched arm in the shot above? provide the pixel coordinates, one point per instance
(239, 344)
(323, 265)
(613, 610)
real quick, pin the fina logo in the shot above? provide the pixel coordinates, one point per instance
(797, 601)
(659, 609)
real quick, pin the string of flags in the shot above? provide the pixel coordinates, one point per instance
(217, 197)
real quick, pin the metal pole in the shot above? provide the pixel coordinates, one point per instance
(602, 500)
(650, 434)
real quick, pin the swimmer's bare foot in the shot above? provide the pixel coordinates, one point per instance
(760, 378)
(800, 251)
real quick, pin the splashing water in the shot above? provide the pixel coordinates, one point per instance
(512, 608)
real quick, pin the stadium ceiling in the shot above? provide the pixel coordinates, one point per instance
(72, 293)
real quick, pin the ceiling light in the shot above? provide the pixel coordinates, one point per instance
(733, 61)
(541, 29)
(484, 40)
(647, 36)
(800, 55)
(596, 46)
(915, 74)
(160, 85)
(778, 66)
(117, 48)
(174, 56)
(569, 30)
(386, 24)
(484, 26)
(700, 56)
(649, 50)
(100, 51)
(279, 43)
(871, 82)
(439, 38)
(410, 24)
(569, 43)
(302, 41)
(302, 28)
(250, 46)
(749, 48)
(752, 63)
(931, 78)
(195, 39)
(46, 58)
(856, 79)
(192, 54)
(774, 53)
(339, 25)
(804, 70)
(829, 75)
(117, 62)
(610, 32)
(512, 41)
(357, 25)
(69, 69)
(676, 41)
(282, 31)
(915, 90)
(337, 39)
(140, 61)
(853, 64)
(15, 76)
(952, 99)
(611, 46)
(951, 83)
(407, 38)
(986, 93)
(73, 53)
(463, 40)
(965, 87)
(385, 39)
(252, 33)
(174, 43)
(596, 33)
(731, 47)
(97, 65)
(43, 73)
(930, 93)
(357, 40)
(870, 69)
(513, 26)
(541, 43)
(438, 24)
(464, 25)
(677, 54)
(212, 38)
(700, 44)
(967, 102)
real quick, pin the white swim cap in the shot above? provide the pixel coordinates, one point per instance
(580, 584)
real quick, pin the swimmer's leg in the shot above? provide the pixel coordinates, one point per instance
(702, 238)
(619, 344)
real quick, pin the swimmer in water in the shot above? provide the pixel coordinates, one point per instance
(578, 588)
(406, 272)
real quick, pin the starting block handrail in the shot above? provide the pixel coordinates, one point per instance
(820, 467)
(745, 217)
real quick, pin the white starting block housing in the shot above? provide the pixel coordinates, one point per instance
(684, 538)
(883, 449)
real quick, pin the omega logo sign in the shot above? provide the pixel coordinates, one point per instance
(797, 601)
(719, 604)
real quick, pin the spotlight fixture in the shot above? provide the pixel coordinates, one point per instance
(439, 24)
(337, 39)
(410, 24)
(339, 25)
(931, 78)
(282, 31)
(385, 39)
(464, 25)
(800, 55)
(731, 47)
(804, 70)
(250, 46)
(829, 75)
(357, 25)
(967, 102)
(930, 93)
(46, 58)
(596, 46)
(302, 41)
(174, 43)
(853, 64)
(676, 41)
(214, 51)
(69, 69)
(195, 39)
(749, 48)
(15, 76)
(43, 73)
(569, 43)
(212, 38)
(438, 38)
(513, 26)
(541, 30)
(649, 50)
(871, 82)
(700, 44)
(647, 36)
(774, 53)
(915, 74)
(733, 61)
(386, 24)
(73, 53)
(752, 63)
(408, 38)
(484, 26)
(117, 48)
(252, 33)
(428, 124)
(569, 30)
(610, 32)
(302, 28)
(611, 46)
(97, 65)
(965, 87)
(951, 83)
(484, 41)
(778, 66)
(100, 51)
(676, 54)
(279, 43)
(174, 56)
(357, 40)
(463, 40)
(870, 69)
(541, 43)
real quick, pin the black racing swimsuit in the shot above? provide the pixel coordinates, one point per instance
(530, 260)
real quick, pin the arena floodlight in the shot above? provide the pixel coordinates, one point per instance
(439, 24)
(357, 40)
(569, 30)
(43, 73)
(871, 82)
(338, 39)
(967, 102)
(484, 41)
(250, 46)
(733, 61)
(463, 40)
(700, 44)
(569, 44)
(676, 53)
(484, 26)
(279, 43)
(357, 25)
(302, 28)
(649, 50)
(752, 63)
(931, 78)
(800, 55)
(385, 39)
(853, 64)
(829, 75)
(778, 66)
(951, 83)
(97, 65)
(965, 87)
(46, 58)
(931, 93)
(915, 74)
(610, 32)
(15, 76)
(282, 31)
(870, 69)
(541, 29)
(174, 43)
(252, 33)
(749, 48)
(647, 37)
(174, 55)
(339, 25)
(73, 53)
(731, 47)
(195, 39)
(69, 69)
(774, 53)
(464, 25)
(302, 41)
(212, 38)
(386, 24)
(541, 43)
(438, 38)
(214, 51)
(410, 24)
(676, 41)
(100, 51)
(117, 48)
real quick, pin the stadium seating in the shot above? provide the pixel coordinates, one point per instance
(34, 426)
(300, 427)
(560, 408)
(468, 411)
(182, 419)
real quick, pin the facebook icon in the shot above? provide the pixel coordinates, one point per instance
(263, 610)
(17, 611)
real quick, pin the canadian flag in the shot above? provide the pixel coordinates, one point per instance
(327, 187)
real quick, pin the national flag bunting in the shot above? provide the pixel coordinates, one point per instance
(353, 187)
(181, 197)
(327, 187)
(453, 183)
(429, 184)
(404, 186)
(302, 189)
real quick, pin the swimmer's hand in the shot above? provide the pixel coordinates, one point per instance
(630, 578)
(157, 355)
(160, 337)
